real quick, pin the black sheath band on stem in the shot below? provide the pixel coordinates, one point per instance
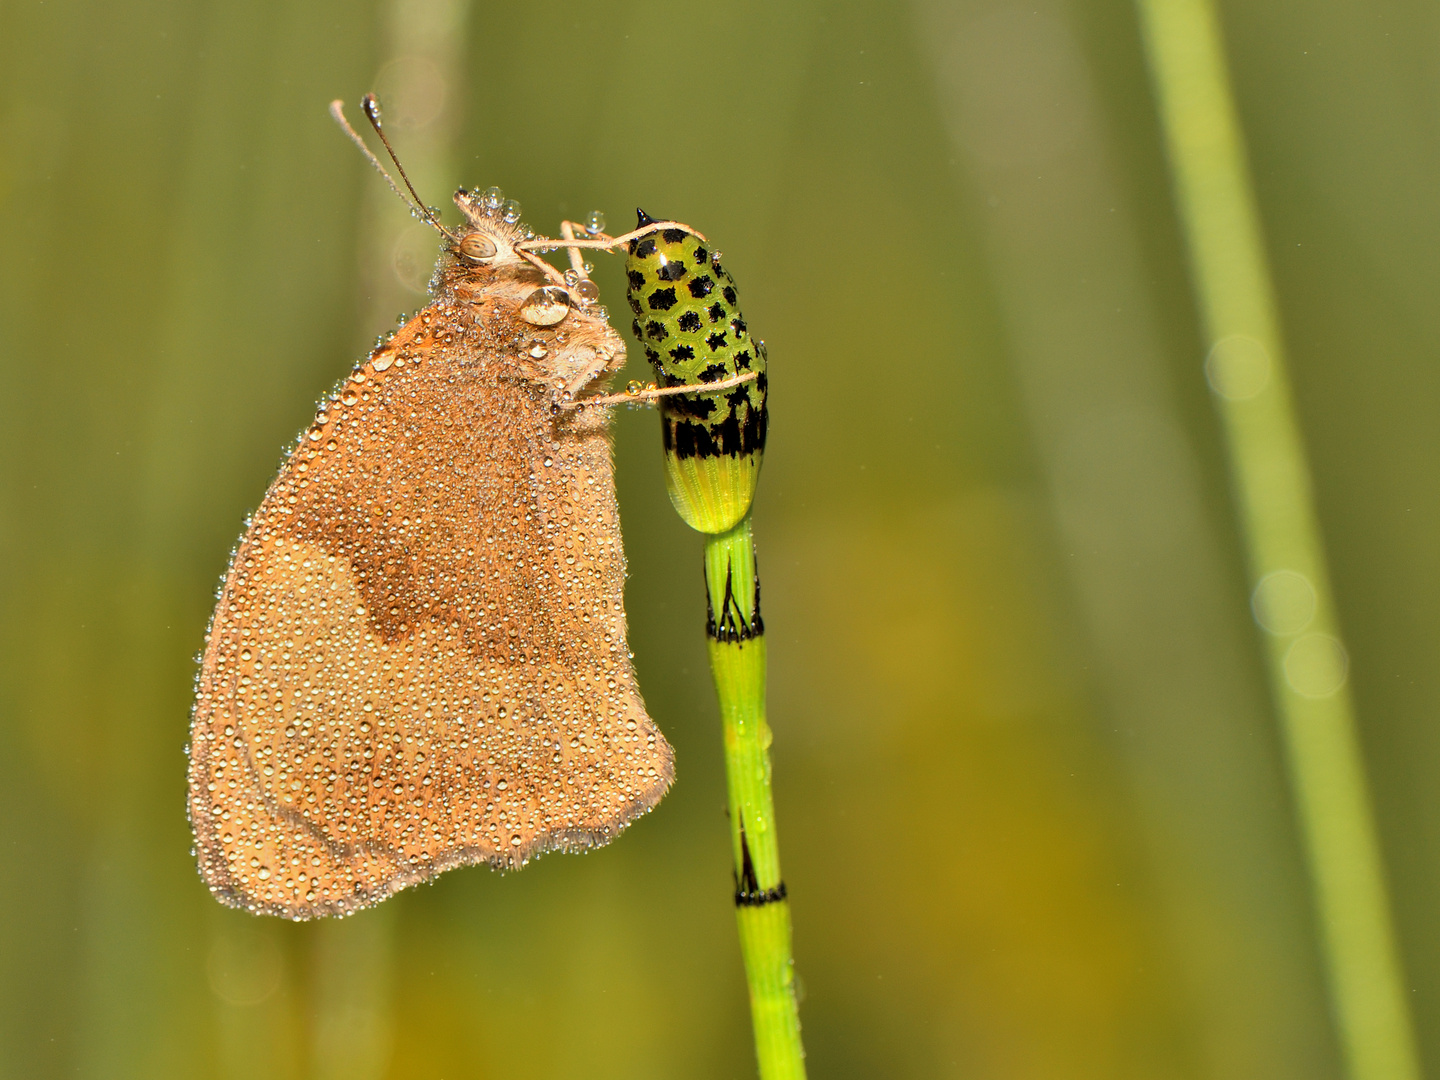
(760, 899)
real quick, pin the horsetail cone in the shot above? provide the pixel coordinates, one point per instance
(688, 319)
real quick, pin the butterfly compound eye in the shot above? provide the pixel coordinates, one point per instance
(477, 247)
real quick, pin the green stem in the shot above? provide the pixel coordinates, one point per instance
(737, 660)
(1246, 368)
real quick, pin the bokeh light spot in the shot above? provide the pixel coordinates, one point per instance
(1283, 602)
(1316, 666)
(244, 967)
(1238, 368)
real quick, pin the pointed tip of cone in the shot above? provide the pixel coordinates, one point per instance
(642, 219)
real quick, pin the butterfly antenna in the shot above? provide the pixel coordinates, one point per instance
(371, 108)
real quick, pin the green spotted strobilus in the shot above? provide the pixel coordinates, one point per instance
(711, 386)
(687, 318)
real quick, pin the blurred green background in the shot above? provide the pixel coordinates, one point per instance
(1032, 805)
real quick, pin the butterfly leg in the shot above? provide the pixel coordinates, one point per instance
(652, 392)
(599, 241)
(582, 365)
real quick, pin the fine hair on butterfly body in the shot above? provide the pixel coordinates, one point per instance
(418, 659)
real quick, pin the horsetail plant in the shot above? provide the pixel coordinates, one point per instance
(711, 396)
(687, 316)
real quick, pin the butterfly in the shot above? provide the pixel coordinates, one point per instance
(418, 656)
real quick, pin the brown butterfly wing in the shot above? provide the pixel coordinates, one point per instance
(418, 659)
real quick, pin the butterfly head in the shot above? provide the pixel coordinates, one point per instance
(492, 253)
(492, 229)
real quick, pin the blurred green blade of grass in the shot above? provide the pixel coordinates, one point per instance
(1247, 370)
